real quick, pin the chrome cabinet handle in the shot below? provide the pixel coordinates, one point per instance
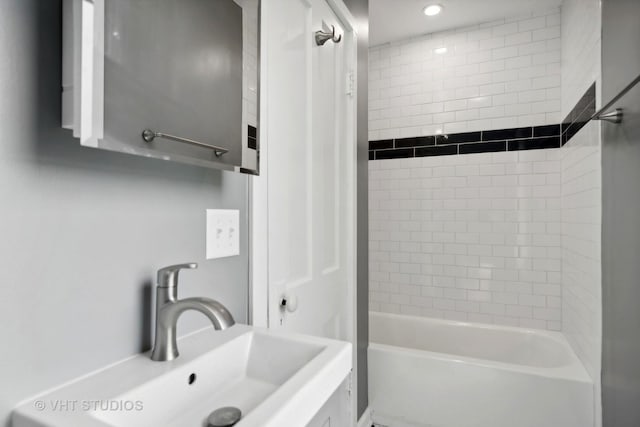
(322, 36)
(148, 135)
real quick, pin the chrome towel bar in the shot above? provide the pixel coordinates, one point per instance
(616, 115)
(148, 135)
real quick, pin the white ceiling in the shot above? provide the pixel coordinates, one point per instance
(392, 20)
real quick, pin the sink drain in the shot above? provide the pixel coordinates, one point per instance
(224, 417)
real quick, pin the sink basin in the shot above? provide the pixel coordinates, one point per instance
(275, 379)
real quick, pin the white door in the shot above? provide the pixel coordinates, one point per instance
(310, 200)
(303, 202)
(307, 168)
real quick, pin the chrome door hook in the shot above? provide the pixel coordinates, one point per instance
(322, 36)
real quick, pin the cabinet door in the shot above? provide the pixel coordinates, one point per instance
(174, 67)
(181, 73)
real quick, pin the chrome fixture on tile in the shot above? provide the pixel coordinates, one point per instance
(169, 309)
(616, 115)
(148, 135)
(322, 36)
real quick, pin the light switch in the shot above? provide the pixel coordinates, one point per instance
(223, 233)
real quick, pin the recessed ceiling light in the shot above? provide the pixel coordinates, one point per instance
(432, 9)
(440, 50)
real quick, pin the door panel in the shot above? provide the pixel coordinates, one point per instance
(290, 151)
(290, 212)
(304, 201)
(309, 163)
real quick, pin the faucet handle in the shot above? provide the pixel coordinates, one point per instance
(168, 276)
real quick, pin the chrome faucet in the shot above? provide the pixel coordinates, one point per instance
(169, 309)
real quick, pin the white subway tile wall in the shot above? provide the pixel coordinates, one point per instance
(497, 75)
(473, 237)
(582, 191)
(580, 50)
(581, 245)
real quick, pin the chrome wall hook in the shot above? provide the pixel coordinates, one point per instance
(322, 36)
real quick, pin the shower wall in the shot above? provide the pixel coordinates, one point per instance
(582, 187)
(473, 236)
(501, 74)
(474, 215)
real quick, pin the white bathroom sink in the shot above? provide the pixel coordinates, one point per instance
(274, 379)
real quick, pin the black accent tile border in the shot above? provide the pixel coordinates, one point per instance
(551, 130)
(483, 147)
(580, 115)
(420, 141)
(456, 138)
(490, 141)
(438, 150)
(396, 153)
(381, 145)
(534, 143)
(503, 134)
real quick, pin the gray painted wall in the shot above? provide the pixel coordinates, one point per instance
(360, 11)
(83, 231)
(620, 217)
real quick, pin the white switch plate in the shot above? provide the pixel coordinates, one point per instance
(223, 233)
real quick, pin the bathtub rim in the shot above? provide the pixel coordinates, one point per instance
(575, 370)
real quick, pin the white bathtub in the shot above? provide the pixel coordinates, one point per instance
(439, 373)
